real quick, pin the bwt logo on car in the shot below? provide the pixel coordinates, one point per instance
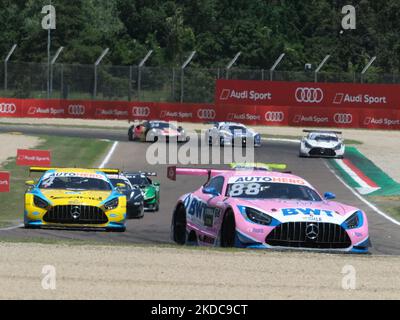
(8, 108)
(274, 116)
(76, 110)
(206, 114)
(140, 111)
(343, 118)
(243, 116)
(310, 119)
(309, 95)
(245, 95)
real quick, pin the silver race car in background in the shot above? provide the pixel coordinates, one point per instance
(320, 143)
(231, 133)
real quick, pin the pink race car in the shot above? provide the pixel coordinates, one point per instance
(257, 208)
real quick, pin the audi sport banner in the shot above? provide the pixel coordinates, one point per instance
(253, 114)
(40, 158)
(306, 94)
(4, 181)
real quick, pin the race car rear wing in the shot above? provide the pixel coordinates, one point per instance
(146, 174)
(44, 169)
(322, 131)
(173, 171)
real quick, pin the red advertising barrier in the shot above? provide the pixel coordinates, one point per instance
(252, 114)
(4, 181)
(40, 158)
(307, 94)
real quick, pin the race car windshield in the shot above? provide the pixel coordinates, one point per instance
(74, 183)
(116, 181)
(237, 129)
(326, 138)
(162, 125)
(267, 190)
(139, 181)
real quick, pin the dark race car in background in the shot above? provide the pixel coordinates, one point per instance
(150, 188)
(134, 196)
(153, 131)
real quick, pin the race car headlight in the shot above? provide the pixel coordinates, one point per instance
(338, 147)
(354, 221)
(307, 145)
(40, 203)
(112, 204)
(257, 216)
(149, 197)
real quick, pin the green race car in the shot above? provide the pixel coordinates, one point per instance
(150, 189)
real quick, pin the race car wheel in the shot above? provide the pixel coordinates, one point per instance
(228, 230)
(221, 142)
(179, 225)
(157, 207)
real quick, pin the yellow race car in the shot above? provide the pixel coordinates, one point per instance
(74, 198)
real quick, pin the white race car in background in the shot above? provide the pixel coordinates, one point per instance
(231, 133)
(320, 143)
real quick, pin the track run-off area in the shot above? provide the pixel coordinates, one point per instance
(154, 228)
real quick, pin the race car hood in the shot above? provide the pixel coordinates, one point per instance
(63, 197)
(149, 192)
(169, 132)
(323, 144)
(293, 210)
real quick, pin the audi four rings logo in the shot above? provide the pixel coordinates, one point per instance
(206, 114)
(312, 231)
(274, 116)
(140, 111)
(76, 110)
(309, 95)
(7, 108)
(343, 118)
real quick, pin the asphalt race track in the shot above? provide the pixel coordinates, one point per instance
(155, 227)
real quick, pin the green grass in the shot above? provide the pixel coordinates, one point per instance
(389, 204)
(65, 152)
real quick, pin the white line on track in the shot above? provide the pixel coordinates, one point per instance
(369, 204)
(12, 228)
(281, 140)
(109, 155)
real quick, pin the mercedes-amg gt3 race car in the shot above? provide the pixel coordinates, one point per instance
(152, 131)
(265, 209)
(320, 143)
(134, 196)
(150, 189)
(74, 198)
(231, 133)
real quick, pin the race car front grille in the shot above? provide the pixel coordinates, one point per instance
(315, 235)
(76, 214)
(322, 152)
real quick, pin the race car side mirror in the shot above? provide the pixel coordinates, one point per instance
(156, 184)
(329, 196)
(180, 129)
(30, 183)
(210, 190)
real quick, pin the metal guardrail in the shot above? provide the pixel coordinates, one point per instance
(158, 84)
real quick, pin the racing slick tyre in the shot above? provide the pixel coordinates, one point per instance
(130, 137)
(221, 142)
(179, 225)
(157, 207)
(228, 230)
